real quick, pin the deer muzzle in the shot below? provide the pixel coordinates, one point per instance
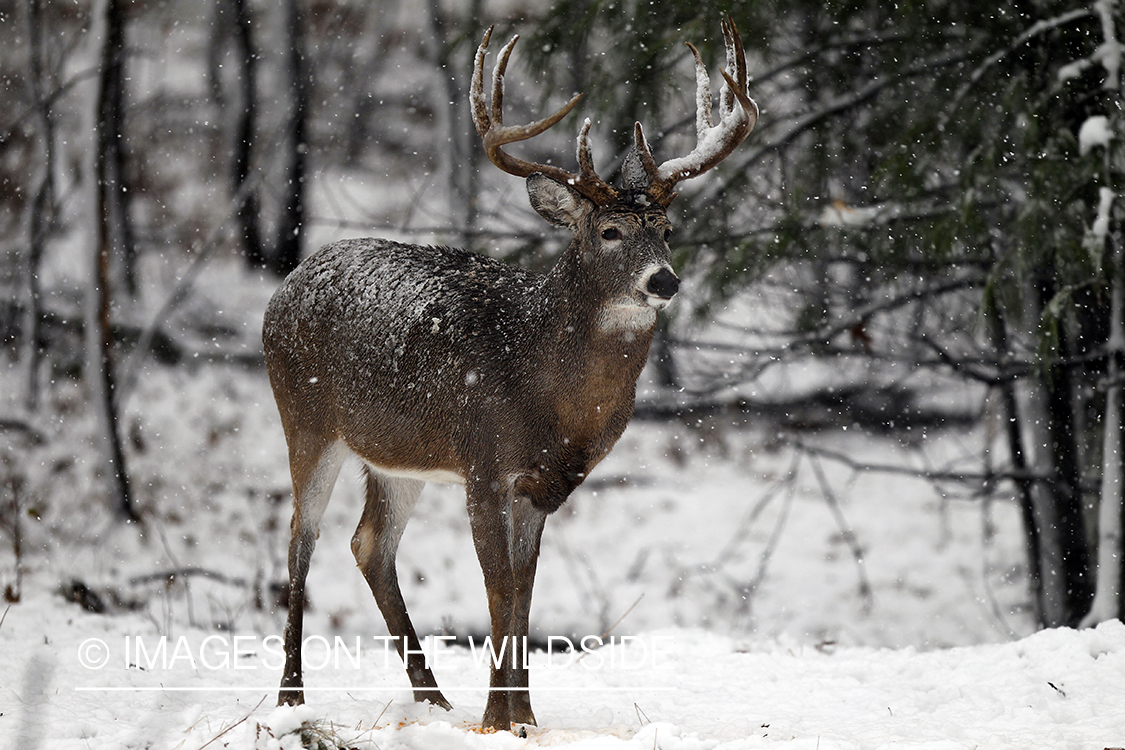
(661, 286)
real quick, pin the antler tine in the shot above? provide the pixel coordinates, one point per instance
(644, 154)
(476, 87)
(736, 66)
(498, 80)
(585, 157)
(714, 143)
(702, 94)
(640, 170)
(495, 135)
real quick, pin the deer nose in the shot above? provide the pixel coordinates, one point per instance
(663, 284)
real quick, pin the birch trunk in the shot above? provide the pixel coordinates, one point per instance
(1107, 590)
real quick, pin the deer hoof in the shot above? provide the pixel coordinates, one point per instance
(433, 697)
(290, 697)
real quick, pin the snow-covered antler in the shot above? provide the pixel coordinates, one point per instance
(738, 114)
(490, 126)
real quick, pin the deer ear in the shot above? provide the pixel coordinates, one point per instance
(559, 204)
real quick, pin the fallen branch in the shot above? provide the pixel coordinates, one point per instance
(188, 572)
(232, 726)
(962, 477)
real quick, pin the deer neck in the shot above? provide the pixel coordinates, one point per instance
(594, 336)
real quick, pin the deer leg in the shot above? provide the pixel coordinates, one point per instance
(490, 521)
(389, 503)
(527, 530)
(314, 466)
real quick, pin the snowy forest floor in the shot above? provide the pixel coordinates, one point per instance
(770, 596)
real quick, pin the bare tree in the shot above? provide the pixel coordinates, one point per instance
(41, 209)
(108, 41)
(446, 42)
(233, 30)
(290, 228)
(1105, 235)
(111, 122)
(247, 56)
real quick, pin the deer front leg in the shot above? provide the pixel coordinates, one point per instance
(527, 531)
(489, 509)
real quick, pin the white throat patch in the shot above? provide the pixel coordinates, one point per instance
(625, 314)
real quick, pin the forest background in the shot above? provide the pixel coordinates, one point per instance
(921, 238)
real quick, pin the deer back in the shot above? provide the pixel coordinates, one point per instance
(426, 361)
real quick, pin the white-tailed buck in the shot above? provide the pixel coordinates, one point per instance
(440, 365)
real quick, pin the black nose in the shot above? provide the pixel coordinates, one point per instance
(663, 284)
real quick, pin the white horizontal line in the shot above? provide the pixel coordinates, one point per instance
(119, 689)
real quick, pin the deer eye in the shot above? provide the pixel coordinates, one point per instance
(613, 233)
(667, 234)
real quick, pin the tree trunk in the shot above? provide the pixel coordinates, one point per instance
(1108, 603)
(41, 208)
(1107, 590)
(216, 51)
(1058, 499)
(1025, 490)
(99, 339)
(292, 220)
(111, 120)
(457, 160)
(248, 212)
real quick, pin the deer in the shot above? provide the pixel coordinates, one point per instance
(433, 364)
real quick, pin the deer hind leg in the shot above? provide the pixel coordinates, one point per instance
(390, 501)
(314, 465)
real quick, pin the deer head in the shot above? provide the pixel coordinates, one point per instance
(621, 234)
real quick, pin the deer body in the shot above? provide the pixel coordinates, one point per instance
(436, 364)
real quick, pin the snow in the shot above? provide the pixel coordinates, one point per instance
(839, 214)
(696, 691)
(1095, 131)
(713, 655)
(1100, 227)
(740, 605)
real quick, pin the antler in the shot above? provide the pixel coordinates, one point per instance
(491, 128)
(713, 142)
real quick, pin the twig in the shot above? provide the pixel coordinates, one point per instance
(187, 572)
(376, 723)
(845, 530)
(964, 477)
(34, 436)
(187, 280)
(609, 630)
(232, 726)
(771, 545)
(622, 617)
(586, 588)
(994, 607)
(1040, 27)
(742, 533)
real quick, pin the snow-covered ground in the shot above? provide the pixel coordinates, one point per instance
(756, 605)
(672, 689)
